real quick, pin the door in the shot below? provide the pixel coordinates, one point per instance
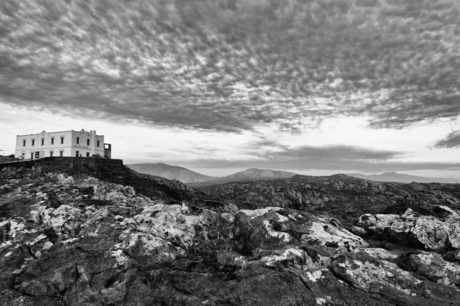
(32, 155)
(77, 153)
(37, 154)
(51, 153)
(61, 153)
(87, 154)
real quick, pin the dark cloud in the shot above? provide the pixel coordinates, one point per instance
(232, 65)
(451, 141)
(338, 158)
(340, 153)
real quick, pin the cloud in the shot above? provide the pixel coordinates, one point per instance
(233, 65)
(337, 158)
(451, 141)
(336, 152)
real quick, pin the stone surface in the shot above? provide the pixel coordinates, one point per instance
(88, 234)
(410, 228)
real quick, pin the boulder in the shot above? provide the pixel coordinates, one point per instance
(432, 266)
(275, 227)
(412, 229)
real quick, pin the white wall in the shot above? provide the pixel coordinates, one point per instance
(69, 145)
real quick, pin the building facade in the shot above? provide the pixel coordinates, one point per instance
(59, 144)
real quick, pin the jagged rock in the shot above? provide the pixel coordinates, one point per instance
(432, 266)
(416, 230)
(385, 280)
(112, 237)
(274, 227)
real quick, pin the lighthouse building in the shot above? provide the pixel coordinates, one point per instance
(59, 144)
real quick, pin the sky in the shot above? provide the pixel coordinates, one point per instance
(310, 86)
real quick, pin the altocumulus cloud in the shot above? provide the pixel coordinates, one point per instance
(232, 65)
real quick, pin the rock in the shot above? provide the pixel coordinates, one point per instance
(274, 227)
(432, 266)
(113, 237)
(365, 273)
(379, 253)
(415, 230)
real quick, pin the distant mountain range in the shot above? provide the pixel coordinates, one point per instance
(193, 178)
(181, 174)
(187, 176)
(253, 174)
(402, 178)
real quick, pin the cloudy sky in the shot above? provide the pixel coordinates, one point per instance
(310, 86)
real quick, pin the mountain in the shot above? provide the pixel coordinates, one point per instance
(402, 178)
(251, 174)
(180, 174)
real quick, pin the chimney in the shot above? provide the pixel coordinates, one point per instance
(93, 142)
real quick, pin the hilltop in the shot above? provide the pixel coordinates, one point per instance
(87, 231)
(251, 174)
(181, 174)
(193, 178)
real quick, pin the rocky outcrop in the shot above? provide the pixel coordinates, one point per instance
(274, 227)
(341, 196)
(432, 266)
(413, 229)
(80, 239)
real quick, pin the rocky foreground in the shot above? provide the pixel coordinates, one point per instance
(80, 238)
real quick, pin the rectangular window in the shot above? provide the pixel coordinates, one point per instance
(33, 142)
(98, 143)
(87, 154)
(61, 153)
(87, 142)
(51, 153)
(62, 139)
(52, 140)
(24, 143)
(78, 140)
(43, 141)
(77, 153)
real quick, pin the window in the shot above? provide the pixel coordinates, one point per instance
(77, 153)
(32, 155)
(43, 141)
(98, 143)
(24, 143)
(62, 139)
(61, 153)
(51, 153)
(33, 142)
(87, 154)
(87, 142)
(52, 140)
(78, 140)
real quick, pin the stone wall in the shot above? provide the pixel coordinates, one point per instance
(71, 165)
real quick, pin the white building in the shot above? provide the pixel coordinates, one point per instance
(67, 143)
